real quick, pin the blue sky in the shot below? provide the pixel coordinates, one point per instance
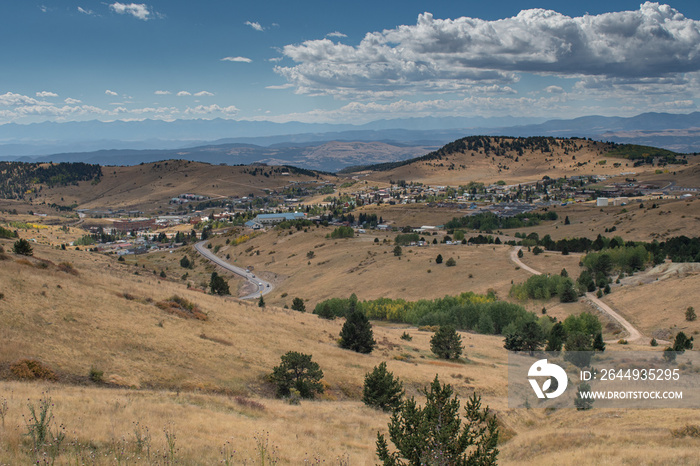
(345, 62)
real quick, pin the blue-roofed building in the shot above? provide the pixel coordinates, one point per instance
(273, 219)
(253, 224)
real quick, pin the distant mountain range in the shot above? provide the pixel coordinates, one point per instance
(328, 156)
(316, 146)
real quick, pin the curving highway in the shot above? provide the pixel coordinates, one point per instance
(262, 287)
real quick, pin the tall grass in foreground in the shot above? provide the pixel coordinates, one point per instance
(43, 439)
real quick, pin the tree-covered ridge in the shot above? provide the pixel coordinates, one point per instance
(644, 154)
(18, 179)
(677, 248)
(498, 146)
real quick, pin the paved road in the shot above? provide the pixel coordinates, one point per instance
(262, 287)
(634, 334)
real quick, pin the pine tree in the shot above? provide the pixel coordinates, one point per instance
(23, 247)
(446, 343)
(598, 343)
(357, 334)
(185, 262)
(579, 349)
(682, 343)
(298, 305)
(261, 301)
(438, 259)
(557, 335)
(669, 354)
(434, 434)
(532, 336)
(218, 285)
(382, 390)
(298, 372)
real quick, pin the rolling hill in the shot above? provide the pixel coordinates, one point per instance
(517, 160)
(150, 186)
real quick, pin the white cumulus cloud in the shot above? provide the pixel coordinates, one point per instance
(237, 59)
(10, 99)
(71, 101)
(183, 94)
(162, 92)
(255, 25)
(112, 93)
(137, 10)
(281, 86)
(203, 94)
(336, 34)
(446, 55)
(44, 94)
(211, 109)
(554, 90)
(85, 11)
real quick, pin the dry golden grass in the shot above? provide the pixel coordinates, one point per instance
(48, 230)
(671, 218)
(203, 379)
(531, 166)
(150, 186)
(655, 301)
(46, 314)
(340, 267)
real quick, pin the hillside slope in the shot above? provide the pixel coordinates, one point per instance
(205, 381)
(516, 160)
(150, 186)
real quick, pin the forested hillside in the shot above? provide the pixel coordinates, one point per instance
(19, 179)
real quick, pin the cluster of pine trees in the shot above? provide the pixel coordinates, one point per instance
(18, 178)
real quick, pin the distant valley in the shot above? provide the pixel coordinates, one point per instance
(325, 147)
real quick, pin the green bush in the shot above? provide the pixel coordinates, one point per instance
(298, 305)
(343, 232)
(545, 287)
(406, 239)
(96, 375)
(5, 233)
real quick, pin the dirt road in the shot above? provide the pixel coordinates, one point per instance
(634, 334)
